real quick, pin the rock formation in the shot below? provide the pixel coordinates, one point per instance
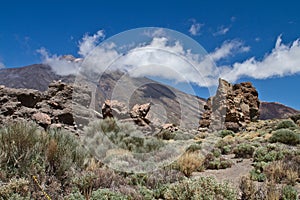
(52, 107)
(118, 110)
(231, 108)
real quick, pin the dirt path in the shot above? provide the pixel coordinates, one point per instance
(241, 167)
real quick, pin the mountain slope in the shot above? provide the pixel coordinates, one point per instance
(37, 76)
(273, 110)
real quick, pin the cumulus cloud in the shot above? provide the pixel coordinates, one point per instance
(59, 64)
(2, 66)
(66, 65)
(283, 60)
(222, 30)
(89, 42)
(228, 48)
(195, 28)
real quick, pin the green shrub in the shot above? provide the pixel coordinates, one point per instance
(21, 146)
(289, 193)
(200, 189)
(100, 194)
(113, 134)
(267, 154)
(224, 146)
(166, 135)
(257, 175)
(285, 136)
(295, 118)
(244, 151)
(76, 195)
(219, 163)
(285, 124)
(224, 133)
(63, 152)
(105, 194)
(194, 147)
(183, 136)
(216, 152)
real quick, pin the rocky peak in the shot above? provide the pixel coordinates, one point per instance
(233, 106)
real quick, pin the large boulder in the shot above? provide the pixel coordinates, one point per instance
(114, 108)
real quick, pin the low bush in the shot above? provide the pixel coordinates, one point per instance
(110, 133)
(200, 189)
(295, 118)
(219, 163)
(289, 193)
(194, 147)
(285, 136)
(285, 124)
(244, 151)
(224, 133)
(225, 146)
(268, 154)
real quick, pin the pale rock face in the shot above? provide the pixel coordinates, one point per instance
(42, 118)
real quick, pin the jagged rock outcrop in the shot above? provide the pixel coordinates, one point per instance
(52, 107)
(139, 114)
(118, 110)
(114, 108)
(231, 108)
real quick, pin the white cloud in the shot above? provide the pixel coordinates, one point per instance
(155, 33)
(229, 48)
(88, 42)
(62, 65)
(222, 30)
(58, 64)
(2, 66)
(195, 28)
(282, 61)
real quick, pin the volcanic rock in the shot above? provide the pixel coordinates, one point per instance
(231, 108)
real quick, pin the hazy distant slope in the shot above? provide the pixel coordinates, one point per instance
(37, 76)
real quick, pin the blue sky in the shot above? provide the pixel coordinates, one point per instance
(58, 26)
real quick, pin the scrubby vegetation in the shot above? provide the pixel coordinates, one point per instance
(54, 164)
(203, 188)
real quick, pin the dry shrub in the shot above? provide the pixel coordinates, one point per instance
(275, 171)
(281, 172)
(190, 162)
(247, 188)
